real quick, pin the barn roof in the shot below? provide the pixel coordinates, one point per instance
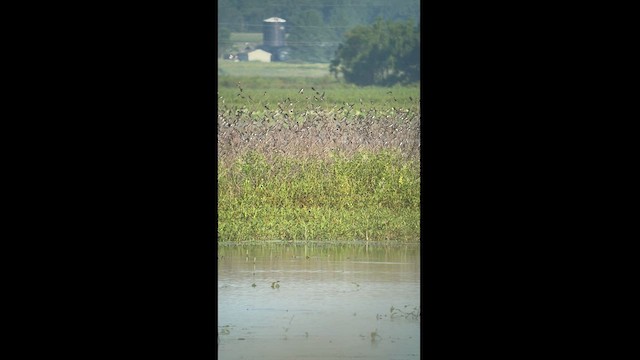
(275, 19)
(259, 51)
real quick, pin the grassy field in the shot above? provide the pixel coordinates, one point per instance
(262, 102)
(246, 37)
(334, 163)
(370, 196)
(271, 69)
(257, 93)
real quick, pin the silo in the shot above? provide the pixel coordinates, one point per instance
(273, 32)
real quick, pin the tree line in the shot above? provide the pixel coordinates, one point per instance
(314, 28)
(385, 53)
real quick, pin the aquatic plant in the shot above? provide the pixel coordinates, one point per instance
(414, 314)
(375, 337)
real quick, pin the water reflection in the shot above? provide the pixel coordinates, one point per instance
(316, 301)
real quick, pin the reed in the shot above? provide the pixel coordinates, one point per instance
(369, 196)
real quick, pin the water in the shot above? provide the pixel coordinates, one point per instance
(318, 302)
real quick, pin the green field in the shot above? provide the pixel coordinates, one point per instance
(349, 102)
(272, 69)
(369, 196)
(246, 37)
(254, 85)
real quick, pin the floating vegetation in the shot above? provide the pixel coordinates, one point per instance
(375, 337)
(225, 330)
(286, 328)
(412, 314)
(275, 284)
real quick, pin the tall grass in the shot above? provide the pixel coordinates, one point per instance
(368, 196)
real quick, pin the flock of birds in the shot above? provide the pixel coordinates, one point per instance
(310, 130)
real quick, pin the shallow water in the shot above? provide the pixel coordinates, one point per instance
(318, 302)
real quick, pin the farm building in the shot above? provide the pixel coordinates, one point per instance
(255, 55)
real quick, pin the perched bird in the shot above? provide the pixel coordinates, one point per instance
(301, 91)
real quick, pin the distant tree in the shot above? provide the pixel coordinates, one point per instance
(384, 53)
(224, 36)
(309, 39)
(229, 16)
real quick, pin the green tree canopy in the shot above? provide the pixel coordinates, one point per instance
(223, 39)
(309, 39)
(384, 53)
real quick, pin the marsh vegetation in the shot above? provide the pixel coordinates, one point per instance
(318, 163)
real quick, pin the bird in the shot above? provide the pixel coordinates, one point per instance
(301, 91)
